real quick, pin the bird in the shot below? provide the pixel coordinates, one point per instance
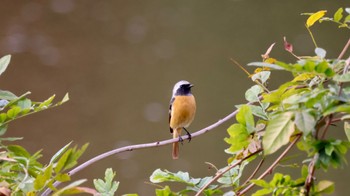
(182, 110)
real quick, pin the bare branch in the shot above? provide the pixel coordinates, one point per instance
(226, 170)
(272, 166)
(142, 146)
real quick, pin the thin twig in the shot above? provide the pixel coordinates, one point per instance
(226, 170)
(253, 174)
(344, 50)
(142, 146)
(272, 166)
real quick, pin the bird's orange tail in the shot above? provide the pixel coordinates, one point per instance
(176, 134)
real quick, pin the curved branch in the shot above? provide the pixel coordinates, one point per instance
(142, 146)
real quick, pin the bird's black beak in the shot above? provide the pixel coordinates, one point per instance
(191, 85)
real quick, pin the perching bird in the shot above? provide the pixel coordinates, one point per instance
(181, 112)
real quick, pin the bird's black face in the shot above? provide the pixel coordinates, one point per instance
(184, 89)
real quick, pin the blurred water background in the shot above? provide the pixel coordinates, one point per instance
(120, 59)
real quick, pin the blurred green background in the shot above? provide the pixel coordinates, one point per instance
(119, 61)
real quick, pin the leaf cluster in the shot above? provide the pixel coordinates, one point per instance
(302, 109)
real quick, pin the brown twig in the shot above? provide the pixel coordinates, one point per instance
(344, 50)
(272, 166)
(226, 170)
(253, 174)
(142, 146)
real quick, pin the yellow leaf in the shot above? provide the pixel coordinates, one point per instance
(315, 17)
(303, 77)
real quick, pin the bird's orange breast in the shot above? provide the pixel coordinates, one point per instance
(182, 111)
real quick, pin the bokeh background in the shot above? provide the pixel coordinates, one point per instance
(120, 59)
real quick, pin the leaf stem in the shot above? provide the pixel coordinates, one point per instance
(312, 36)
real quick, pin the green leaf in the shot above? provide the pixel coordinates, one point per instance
(3, 129)
(347, 129)
(11, 139)
(4, 62)
(69, 187)
(19, 151)
(325, 187)
(338, 15)
(246, 118)
(62, 161)
(261, 183)
(261, 64)
(107, 187)
(13, 112)
(60, 152)
(65, 98)
(45, 104)
(278, 131)
(62, 177)
(42, 179)
(304, 121)
(342, 77)
(165, 192)
(7, 95)
(24, 104)
(252, 94)
(263, 76)
(262, 192)
(238, 138)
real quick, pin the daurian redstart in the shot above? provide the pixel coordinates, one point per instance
(181, 112)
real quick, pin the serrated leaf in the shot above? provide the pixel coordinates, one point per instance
(338, 15)
(305, 122)
(4, 62)
(238, 138)
(315, 17)
(278, 132)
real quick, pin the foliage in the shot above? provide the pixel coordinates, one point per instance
(20, 172)
(107, 187)
(301, 109)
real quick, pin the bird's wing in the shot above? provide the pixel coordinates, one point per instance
(170, 107)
